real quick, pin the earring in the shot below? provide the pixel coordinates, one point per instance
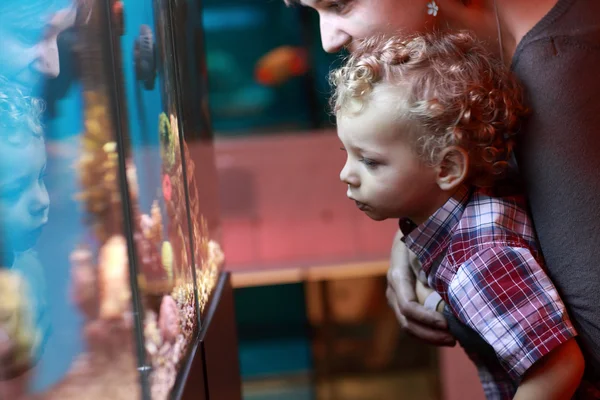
(432, 8)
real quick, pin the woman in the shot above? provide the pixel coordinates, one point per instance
(553, 47)
(29, 32)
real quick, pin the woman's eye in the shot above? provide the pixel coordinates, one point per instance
(337, 6)
(30, 37)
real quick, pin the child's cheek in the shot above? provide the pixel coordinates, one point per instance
(12, 222)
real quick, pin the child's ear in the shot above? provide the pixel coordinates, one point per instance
(453, 168)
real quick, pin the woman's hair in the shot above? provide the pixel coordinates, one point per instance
(20, 115)
(448, 85)
(30, 13)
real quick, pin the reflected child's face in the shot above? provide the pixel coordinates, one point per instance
(24, 200)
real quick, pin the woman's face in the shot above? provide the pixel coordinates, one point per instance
(345, 21)
(28, 38)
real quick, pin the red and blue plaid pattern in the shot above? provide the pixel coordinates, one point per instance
(491, 275)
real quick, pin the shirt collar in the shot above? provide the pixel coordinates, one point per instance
(432, 237)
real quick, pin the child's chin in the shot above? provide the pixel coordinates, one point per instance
(27, 241)
(374, 216)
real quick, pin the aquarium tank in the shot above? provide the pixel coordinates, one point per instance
(111, 264)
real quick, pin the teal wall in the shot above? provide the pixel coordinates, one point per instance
(274, 335)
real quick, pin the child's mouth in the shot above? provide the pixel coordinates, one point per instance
(30, 239)
(361, 206)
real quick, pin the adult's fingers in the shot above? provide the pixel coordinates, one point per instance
(392, 301)
(401, 281)
(434, 331)
(417, 313)
(434, 337)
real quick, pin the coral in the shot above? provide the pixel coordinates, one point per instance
(166, 350)
(156, 231)
(113, 279)
(84, 290)
(175, 129)
(212, 260)
(98, 169)
(168, 320)
(146, 225)
(132, 180)
(167, 141)
(167, 258)
(167, 188)
(152, 333)
(209, 256)
(153, 279)
(21, 337)
(184, 297)
(215, 254)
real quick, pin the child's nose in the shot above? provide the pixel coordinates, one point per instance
(348, 176)
(40, 203)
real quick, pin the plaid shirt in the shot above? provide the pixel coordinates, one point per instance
(480, 254)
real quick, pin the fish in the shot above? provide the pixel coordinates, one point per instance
(280, 65)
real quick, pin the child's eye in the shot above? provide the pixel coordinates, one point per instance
(369, 163)
(43, 175)
(10, 195)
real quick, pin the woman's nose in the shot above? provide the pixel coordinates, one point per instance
(47, 62)
(333, 39)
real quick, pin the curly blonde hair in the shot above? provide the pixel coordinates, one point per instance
(20, 114)
(449, 85)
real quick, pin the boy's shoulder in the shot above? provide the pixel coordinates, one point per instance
(492, 219)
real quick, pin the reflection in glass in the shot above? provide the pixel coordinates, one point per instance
(99, 261)
(29, 31)
(164, 253)
(197, 147)
(24, 205)
(165, 276)
(104, 272)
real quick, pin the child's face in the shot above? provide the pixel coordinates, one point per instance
(24, 199)
(385, 177)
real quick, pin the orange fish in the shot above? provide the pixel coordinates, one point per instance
(281, 64)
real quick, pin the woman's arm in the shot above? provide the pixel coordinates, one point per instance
(425, 324)
(556, 376)
(423, 292)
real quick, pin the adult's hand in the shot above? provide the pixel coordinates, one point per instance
(427, 325)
